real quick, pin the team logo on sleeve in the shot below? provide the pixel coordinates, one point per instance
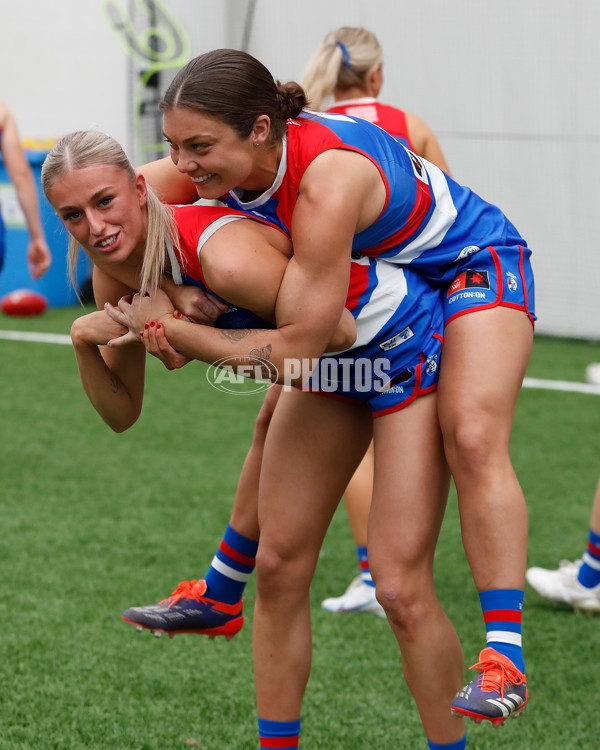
(469, 280)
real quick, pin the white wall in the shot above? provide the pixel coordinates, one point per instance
(509, 86)
(62, 68)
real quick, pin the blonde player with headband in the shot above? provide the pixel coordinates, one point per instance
(345, 74)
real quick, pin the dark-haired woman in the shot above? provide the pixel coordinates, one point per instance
(342, 186)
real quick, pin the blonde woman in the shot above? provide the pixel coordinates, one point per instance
(345, 75)
(315, 441)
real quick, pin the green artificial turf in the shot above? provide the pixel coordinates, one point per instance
(94, 522)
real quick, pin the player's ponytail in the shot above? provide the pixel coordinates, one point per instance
(342, 61)
(161, 228)
(291, 99)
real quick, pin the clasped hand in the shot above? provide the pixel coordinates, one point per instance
(135, 312)
(144, 317)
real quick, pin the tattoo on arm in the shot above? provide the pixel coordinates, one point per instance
(260, 358)
(264, 352)
(238, 334)
(115, 383)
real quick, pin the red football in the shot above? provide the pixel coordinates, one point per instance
(23, 302)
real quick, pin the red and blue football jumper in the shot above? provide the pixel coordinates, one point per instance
(399, 320)
(391, 119)
(429, 222)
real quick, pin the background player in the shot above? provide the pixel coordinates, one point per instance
(576, 583)
(19, 171)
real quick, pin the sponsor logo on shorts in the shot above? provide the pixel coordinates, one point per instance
(404, 335)
(403, 377)
(466, 251)
(395, 384)
(511, 281)
(395, 389)
(469, 280)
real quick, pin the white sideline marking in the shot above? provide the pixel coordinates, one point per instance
(562, 385)
(40, 338)
(550, 385)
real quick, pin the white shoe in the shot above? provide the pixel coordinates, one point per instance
(562, 586)
(358, 597)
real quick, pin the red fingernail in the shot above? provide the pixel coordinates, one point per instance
(177, 314)
(158, 326)
(152, 323)
(141, 334)
(146, 326)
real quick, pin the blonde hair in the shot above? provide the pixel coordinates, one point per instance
(344, 59)
(89, 148)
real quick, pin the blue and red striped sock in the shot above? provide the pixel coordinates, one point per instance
(363, 562)
(279, 735)
(503, 613)
(231, 567)
(458, 745)
(589, 573)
